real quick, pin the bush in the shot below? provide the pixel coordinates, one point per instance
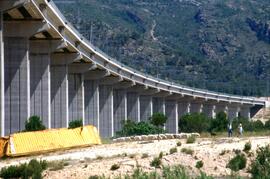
(195, 122)
(145, 155)
(158, 119)
(34, 123)
(267, 125)
(75, 124)
(156, 162)
(260, 167)
(178, 144)
(173, 150)
(248, 125)
(115, 167)
(219, 124)
(247, 147)
(131, 128)
(33, 169)
(199, 164)
(187, 151)
(237, 163)
(191, 139)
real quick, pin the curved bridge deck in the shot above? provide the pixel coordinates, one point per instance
(48, 69)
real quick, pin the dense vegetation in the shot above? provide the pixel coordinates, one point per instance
(75, 124)
(198, 122)
(260, 167)
(25, 171)
(131, 128)
(221, 45)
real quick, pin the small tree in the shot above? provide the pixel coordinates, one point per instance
(34, 123)
(75, 124)
(158, 119)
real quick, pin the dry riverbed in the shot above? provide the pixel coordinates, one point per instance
(97, 160)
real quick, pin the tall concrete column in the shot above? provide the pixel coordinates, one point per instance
(233, 112)
(196, 108)
(106, 110)
(59, 94)
(2, 79)
(133, 106)
(40, 89)
(183, 108)
(75, 98)
(172, 121)
(17, 83)
(209, 110)
(119, 107)
(145, 107)
(92, 102)
(245, 112)
(158, 105)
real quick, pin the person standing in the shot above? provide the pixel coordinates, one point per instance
(240, 129)
(230, 130)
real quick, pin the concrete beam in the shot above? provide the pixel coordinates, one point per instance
(124, 84)
(79, 67)
(111, 80)
(24, 29)
(96, 74)
(45, 46)
(9, 4)
(64, 58)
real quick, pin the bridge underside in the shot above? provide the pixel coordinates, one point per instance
(43, 75)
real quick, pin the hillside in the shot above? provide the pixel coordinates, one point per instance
(221, 45)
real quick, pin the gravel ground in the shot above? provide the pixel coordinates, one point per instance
(97, 160)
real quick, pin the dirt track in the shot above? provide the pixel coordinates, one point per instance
(97, 160)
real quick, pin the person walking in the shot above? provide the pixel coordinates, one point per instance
(230, 130)
(240, 129)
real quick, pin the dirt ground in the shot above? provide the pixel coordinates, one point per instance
(97, 160)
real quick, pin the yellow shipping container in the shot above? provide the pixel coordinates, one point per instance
(27, 143)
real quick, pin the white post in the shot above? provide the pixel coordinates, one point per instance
(2, 79)
(176, 117)
(28, 83)
(98, 108)
(164, 110)
(151, 106)
(139, 108)
(49, 94)
(125, 105)
(83, 99)
(67, 112)
(111, 95)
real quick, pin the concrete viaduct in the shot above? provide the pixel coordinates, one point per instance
(48, 69)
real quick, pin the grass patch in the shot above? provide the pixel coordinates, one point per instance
(145, 155)
(173, 150)
(156, 162)
(191, 139)
(32, 170)
(57, 165)
(187, 151)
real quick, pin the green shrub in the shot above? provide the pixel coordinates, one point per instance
(34, 123)
(199, 164)
(57, 165)
(267, 125)
(187, 151)
(115, 167)
(194, 122)
(247, 147)
(178, 144)
(173, 150)
(260, 167)
(248, 125)
(75, 124)
(131, 128)
(191, 139)
(219, 123)
(175, 172)
(237, 163)
(160, 155)
(33, 169)
(156, 162)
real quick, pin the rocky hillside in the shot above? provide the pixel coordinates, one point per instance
(221, 45)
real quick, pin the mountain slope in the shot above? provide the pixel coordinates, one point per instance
(221, 45)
